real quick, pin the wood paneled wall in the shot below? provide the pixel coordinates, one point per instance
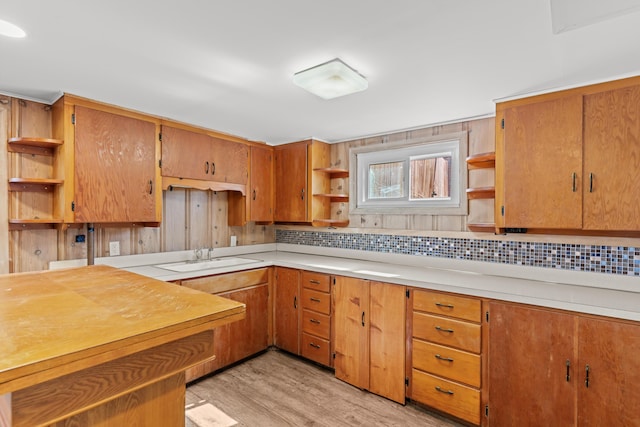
(190, 219)
(481, 139)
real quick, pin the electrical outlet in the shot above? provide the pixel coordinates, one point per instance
(234, 240)
(114, 248)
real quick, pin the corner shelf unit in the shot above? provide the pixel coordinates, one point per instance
(332, 198)
(33, 146)
(481, 161)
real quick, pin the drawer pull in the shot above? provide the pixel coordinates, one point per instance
(315, 282)
(314, 299)
(314, 345)
(441, 305)
(438, 328)
(446, 359)
(449, 392)
(317, 322)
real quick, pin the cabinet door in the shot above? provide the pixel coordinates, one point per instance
(610, 349)
(543, 164)
(528, 353)
(228, 161)
(387, 340)
(292, 191)
(287, 311)
(237, 340)
(115, 168)
(611, 155)
(351, 322)
(261, 191)
(185, 154)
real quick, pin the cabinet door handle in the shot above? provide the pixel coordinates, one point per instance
(150, 186)
(445, 359)
(443, 391)
(302, 194)
(363, 318)
(573, 182)
(254, 194)
(213, 168)
(568, 366)
(591, 182)
(295, 302)
(314, 299)
(317, 322)
(441, 305)
(438, 328)
(315, 282)
(314, 345)
(586, 379)
(206, 167)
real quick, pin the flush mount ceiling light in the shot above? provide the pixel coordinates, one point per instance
(11, 30)
(331, 80)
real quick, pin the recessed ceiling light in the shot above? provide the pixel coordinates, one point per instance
(331, 80)
(11, 30)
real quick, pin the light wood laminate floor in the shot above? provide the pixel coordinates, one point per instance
(277, 389)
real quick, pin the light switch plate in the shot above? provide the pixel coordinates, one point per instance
(114, 248)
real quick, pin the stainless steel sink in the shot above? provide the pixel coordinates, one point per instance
(184, 266)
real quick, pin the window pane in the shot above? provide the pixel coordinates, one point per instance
(386, 180)
(430, 178)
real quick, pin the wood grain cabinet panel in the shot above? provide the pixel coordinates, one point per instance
(287, 311)
(115, 168)
(370, 320)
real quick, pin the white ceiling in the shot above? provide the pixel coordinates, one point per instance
(227, 65)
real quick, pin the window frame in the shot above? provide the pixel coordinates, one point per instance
(361, 157)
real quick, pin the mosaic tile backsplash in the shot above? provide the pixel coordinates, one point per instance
(591, 258)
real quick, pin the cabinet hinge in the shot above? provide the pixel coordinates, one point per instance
(73, 206)
(334, 355)
(73, 119)
(406, 381)
(486, 316)
(407, 293)
(160, 163)
(160, 136)
(502, 210)
(502, 123)
(334, 280)
(486, 410)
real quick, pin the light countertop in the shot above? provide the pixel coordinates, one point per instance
(594, 293)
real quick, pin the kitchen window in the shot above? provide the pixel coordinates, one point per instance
(417, 176)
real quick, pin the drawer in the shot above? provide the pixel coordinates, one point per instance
(317, 301)
(316, 349)
(444, 304)
(447, 362)
(449, 332)
(228, 281)
(317, 281)
(455, 399)
(316, 324)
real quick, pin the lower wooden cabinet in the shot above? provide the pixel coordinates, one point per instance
(549, 367)
(303, 314)
(237, 340)
(446, 353)
(370, 321)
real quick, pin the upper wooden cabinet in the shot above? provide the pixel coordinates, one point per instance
(566, 160)
(110, 163)
(296, 181)
(258, 203)
(193, 155)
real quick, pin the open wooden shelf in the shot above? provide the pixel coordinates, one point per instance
(487, 227)
(334, 172)
(41, 146)
(33, 224)
(481, 161)
(33, 184)
(481, 193)
(335, 197)
(328, 222)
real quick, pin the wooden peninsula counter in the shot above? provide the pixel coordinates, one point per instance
(100, 346)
